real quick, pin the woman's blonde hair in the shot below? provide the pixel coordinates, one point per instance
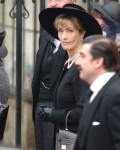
(61, 20)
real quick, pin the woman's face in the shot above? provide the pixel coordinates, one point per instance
(69, 36)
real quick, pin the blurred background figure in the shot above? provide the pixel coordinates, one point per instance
(108, 16)
(4, 85)
(4, 80)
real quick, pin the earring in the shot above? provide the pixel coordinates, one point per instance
(81, 39)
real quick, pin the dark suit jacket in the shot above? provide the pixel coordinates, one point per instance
(44, 40)
(100, 123)
(68, 94)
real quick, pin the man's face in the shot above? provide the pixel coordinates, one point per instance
(86, 64)
(59, 3)
(98, 16)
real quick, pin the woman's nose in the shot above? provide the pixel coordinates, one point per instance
(64, 34)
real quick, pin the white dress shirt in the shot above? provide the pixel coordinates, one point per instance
(97, 85)
(57, 44)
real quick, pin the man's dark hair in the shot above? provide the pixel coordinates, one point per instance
(106, 48)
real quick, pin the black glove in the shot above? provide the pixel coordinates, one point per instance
(45, 113)
(40, 109)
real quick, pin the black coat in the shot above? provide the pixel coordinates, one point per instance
(44, 40)
(68, 96)
(100, 123)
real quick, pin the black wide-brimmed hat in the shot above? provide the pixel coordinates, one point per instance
(110, 10)
(3, 49)
(48, 15)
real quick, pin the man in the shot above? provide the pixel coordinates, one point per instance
(99, 127)
(108, 16)
(41, 90)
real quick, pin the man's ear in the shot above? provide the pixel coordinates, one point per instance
(99, 62)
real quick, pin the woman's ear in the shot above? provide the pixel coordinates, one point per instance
(82, 32)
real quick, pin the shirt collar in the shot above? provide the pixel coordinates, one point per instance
(101, 81)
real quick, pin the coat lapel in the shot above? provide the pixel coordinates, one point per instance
(42, 49)
(59, 60)
(43, 42)
(87, 117)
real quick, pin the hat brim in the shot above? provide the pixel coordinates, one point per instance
(47, 17)
(101, 10)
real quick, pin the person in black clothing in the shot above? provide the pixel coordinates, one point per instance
(108, 16)
(70, 25)
(41, 89)
(99, 127)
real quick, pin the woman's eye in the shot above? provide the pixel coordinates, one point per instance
(59, 31)
(69, 31)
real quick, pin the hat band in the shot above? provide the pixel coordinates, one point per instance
(109, 14)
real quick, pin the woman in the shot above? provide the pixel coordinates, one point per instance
(70, 25)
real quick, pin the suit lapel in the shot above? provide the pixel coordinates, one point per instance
(48, 56)
(87, 117)
(43, 49)
(91, 111)
(58, 63)
(45, 39)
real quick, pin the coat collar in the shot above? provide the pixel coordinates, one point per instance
(50, 39)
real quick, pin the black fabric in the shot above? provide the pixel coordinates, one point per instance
(69, 92)
(2, 35)
(45, 93)
(47, 62)
(64, 70)
(44, 131)
(3, 118)
(99, 127)
(88, 95)
(86, 99)
(45, 113)
(57, 68)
